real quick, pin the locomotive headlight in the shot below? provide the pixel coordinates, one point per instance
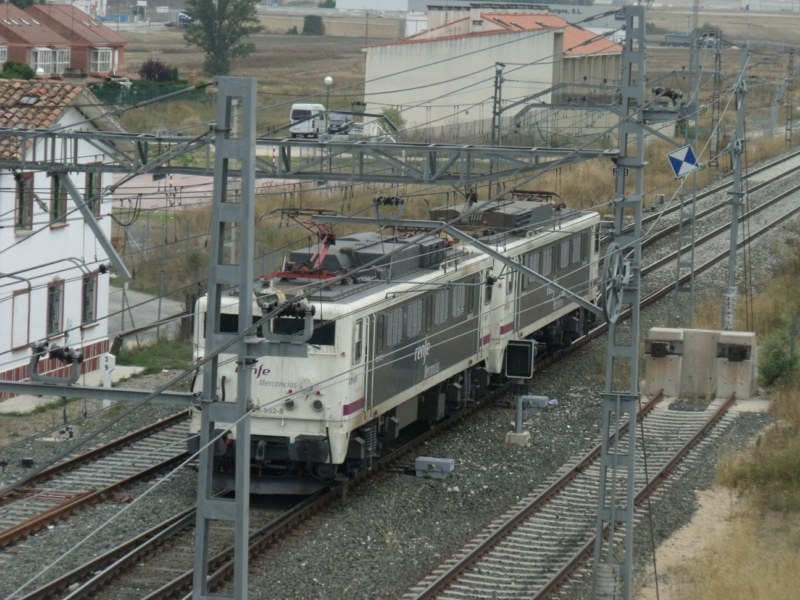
(289, 404)
(317, 405)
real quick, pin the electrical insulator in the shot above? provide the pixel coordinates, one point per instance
(66, 355)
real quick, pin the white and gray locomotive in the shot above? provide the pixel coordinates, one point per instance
(418, 326)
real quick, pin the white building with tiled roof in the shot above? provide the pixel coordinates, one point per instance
(53, 272)
(443, 80)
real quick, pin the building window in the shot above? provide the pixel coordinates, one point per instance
(58, 200)
(24, 204)
(43, 59)
(89, 299)
(101, 60)
(55, 304)
(3, 55)
(93, 191)
(20, 318)
(62, 59)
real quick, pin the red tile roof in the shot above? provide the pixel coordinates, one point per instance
(17, 26)
(32, 104)
(72, 23)
(577, 40)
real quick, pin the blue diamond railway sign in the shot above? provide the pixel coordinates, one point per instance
(683, 161)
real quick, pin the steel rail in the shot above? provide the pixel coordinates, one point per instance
(486, 545)
(34, 524)
(73, 501)
(658, 478)
(221, 565)
(96, 572)
(95, 453)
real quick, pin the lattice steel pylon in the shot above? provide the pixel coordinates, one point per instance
(789, 100)
(737, 194)
(717, 127)
(230, 265)
(622, 276)
(684, 262)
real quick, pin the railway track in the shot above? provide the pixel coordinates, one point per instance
(157, 564)
(536, 546)
(59, 490)
(761, 178)
(277, 527)
(536, 543)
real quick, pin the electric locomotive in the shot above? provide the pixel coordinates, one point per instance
(417, 326)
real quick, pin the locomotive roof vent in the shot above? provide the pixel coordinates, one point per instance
(398, 257)
(431, 249)
(517, 215)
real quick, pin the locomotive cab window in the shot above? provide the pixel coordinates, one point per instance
(324, 331)
(229, 323)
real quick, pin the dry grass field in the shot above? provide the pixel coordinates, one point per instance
(737, 26)
(289, 68)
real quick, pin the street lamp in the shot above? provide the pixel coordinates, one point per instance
(328, 83)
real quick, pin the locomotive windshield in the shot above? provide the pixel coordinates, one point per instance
(324, 331)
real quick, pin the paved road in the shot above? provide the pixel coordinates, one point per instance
(140, 309)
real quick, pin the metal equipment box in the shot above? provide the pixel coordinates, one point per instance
(435, 468)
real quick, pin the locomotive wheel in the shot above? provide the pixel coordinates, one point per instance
(613, 281)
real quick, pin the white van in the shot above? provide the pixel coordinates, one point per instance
(307, 120)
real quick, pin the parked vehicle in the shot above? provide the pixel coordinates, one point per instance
(180, 20)
(307, 120)
(339, 123)
(704, 40)
(677, 39)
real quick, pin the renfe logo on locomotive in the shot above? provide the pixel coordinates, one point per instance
(421, 352)
(258, 371)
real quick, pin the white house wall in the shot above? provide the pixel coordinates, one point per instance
(65, 251)
(452, 80)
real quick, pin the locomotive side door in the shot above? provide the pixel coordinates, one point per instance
(359, 370)
(484, 307)
(368, 336)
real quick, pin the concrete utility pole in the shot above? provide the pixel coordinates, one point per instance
(737, 195)
(613, 563)
(228, 268)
